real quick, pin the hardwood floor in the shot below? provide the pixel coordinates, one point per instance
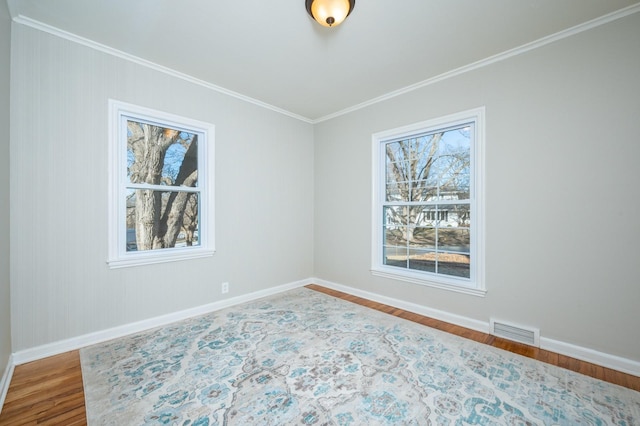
(46, 392)
(586, 368)
(50, 391)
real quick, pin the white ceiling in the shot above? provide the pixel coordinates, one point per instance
(271, 50)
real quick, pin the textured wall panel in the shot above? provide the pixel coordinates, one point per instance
(562, 189)
(5, 53)
(61, 285)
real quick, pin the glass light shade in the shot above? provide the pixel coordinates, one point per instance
(330, 13)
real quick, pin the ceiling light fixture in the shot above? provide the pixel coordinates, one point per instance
(329, 13)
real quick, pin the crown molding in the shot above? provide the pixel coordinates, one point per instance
(41, 26)
(585, 26)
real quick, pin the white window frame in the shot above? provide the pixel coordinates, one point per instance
(119, 112)
(475, 284)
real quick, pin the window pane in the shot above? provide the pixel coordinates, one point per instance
(397, 191)
(424, 190)
(408, 169)
(455, 187)
(456, 265)
(456, 215)
(456, 141)
(395, 215)
(428, 216)
(422, 260)
(395, 171)
(424, 238)
(395, 256)
(414, 215)
(395, 236)
(145, 233)
(454, 239)
(394, 152)
(397, 183)
(161, 155)
(426, 209)
(452, 164)
(434, 166)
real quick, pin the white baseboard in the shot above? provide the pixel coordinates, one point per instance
(585, 354)
(408, 306)
(56, 348)
(602, 359)
(614, 362)
(5, 381)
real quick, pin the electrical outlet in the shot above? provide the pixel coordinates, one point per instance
(225, 288)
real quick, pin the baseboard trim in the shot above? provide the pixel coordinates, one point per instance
(408, 306)
(602, 359)
(614, 362)
(62, 346)
(6, 381)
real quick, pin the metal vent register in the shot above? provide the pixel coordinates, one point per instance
(517, 333)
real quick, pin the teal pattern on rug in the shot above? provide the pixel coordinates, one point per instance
(305, 358)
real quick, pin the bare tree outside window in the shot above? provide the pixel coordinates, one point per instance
(166, 157)
(426, 207)
(161, 204)
(428, 203)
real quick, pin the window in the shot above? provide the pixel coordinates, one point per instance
(427, 203)
(161, 187)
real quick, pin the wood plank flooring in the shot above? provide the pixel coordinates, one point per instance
(46, 392)
(586, 368)
(50, 391)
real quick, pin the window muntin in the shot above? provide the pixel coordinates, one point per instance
(161, 203)
(426, 210)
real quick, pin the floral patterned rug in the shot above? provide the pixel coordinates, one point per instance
(305, 358)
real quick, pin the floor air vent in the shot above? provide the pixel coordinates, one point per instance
(528, 336)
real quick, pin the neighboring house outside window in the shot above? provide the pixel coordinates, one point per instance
(428, 217)
(161, 187)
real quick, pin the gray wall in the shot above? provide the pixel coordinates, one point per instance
(293, 200)
(5, 312)
(562, 189)
(61, 286)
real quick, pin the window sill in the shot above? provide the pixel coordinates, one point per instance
(154, 258)
(451, 285)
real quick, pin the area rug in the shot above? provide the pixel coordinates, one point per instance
(302, 357)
